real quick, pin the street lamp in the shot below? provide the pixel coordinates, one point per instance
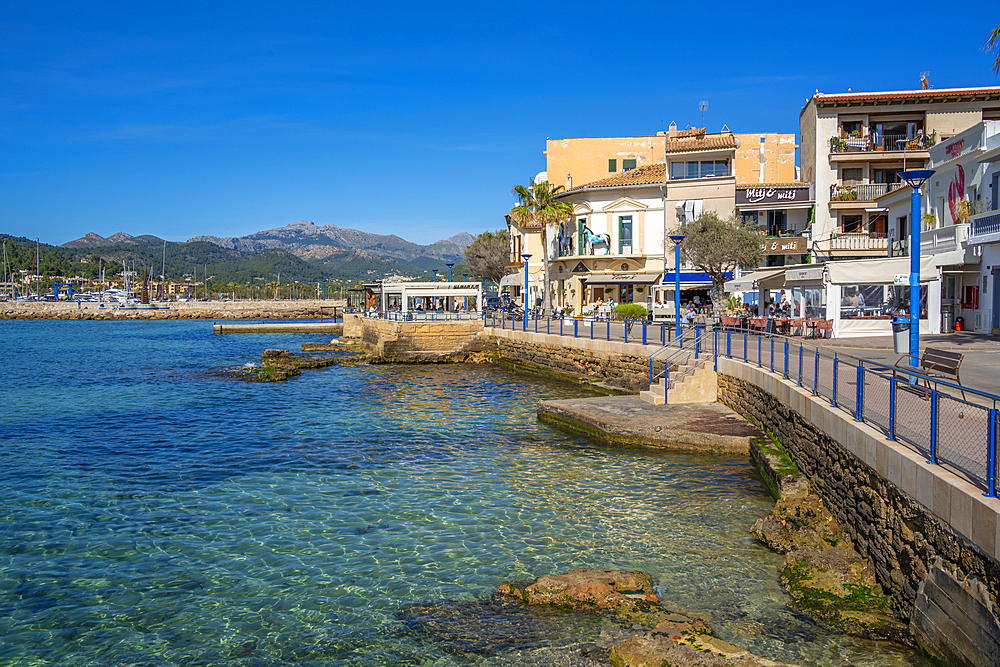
(677, 238)
(449, 265)
(436, 274)
(915, 178)
(526, 256)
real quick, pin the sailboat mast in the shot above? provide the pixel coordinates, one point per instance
(163, 271)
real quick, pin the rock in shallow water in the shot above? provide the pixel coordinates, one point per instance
(484, 627)
(584, 589)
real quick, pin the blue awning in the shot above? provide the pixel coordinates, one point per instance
(691, 279)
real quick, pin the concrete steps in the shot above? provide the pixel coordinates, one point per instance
(699, 386)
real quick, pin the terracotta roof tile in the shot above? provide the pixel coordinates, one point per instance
(822, 98)
(705, 142)
(644, 175)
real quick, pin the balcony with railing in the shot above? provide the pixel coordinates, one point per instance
(862, 192)
(944, 239)
(859, 241)
(871, 143)
(985, 227)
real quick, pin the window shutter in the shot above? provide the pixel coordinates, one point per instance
(612, 165)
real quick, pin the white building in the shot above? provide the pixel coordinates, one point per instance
(855, 144)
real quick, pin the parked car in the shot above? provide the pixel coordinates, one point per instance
(492, 303)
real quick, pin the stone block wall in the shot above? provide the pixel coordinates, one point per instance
(905, 542)
(629, 372)
(408, 341)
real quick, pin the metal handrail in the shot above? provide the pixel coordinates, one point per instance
(687, 346)
(956, 444)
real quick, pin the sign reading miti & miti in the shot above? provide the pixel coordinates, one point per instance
(786, 246)
(770, 195)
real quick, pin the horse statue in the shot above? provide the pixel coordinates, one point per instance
(564, 243)
(597, 239)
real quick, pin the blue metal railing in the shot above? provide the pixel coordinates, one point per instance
(911, 407)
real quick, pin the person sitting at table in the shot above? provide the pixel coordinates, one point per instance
(689, 315)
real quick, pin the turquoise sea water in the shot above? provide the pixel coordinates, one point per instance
(156, 511)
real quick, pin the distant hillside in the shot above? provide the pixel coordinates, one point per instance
(307, 240)
(301, 251)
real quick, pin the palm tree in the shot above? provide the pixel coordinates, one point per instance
(537, 206)
(992, 42)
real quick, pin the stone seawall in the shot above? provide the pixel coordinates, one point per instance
(931, 537)
(624, 366)
(422, 341)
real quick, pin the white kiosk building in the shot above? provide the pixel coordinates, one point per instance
(436, 300)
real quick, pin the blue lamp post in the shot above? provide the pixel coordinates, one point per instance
(449, 265)
(677, 238)
(915, 178)
(436, 274)
(526, 257)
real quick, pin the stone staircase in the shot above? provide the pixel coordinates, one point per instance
(697, 386)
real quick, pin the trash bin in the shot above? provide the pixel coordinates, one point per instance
(959, 323)
(900, 335)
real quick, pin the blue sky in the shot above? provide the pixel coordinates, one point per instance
(183, 119)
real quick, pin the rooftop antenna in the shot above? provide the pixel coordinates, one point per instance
(703, 105)
(924, 83)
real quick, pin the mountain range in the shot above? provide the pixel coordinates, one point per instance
(310, 242)
(336, 251)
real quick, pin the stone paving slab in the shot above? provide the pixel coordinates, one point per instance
(628, 420)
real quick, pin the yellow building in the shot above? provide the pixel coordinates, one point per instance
(767, 157)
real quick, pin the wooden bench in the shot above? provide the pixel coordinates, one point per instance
(937, 363)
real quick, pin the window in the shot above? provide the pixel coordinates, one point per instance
(612, 165)
(581, 235)
(775, 223)
(703, 169)
(852, 176)
(850, 224)
(749, 218)
(851, 128)
(628, 165)
(885, 175)
(625, 234)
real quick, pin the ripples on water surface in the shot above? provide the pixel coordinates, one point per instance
(156, 513)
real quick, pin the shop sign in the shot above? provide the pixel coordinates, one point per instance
(768, 195)
(790, 246)
(955, 147)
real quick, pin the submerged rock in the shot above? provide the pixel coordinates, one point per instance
(482, 627)
(584, 589)
(279, 365)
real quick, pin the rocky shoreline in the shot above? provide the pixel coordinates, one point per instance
(636, 629)
(203, 310)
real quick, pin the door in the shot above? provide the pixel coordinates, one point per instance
(996, 300)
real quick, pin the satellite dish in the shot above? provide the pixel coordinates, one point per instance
(541, 177)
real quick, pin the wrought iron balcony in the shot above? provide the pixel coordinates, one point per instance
(863, 192)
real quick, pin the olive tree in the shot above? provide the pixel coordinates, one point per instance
(630, 313)
(487, 254)
(719, 246)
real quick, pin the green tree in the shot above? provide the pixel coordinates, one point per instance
(991, 43)
(487, 254)
(538, 206)
(630, 313)
(719, 246)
